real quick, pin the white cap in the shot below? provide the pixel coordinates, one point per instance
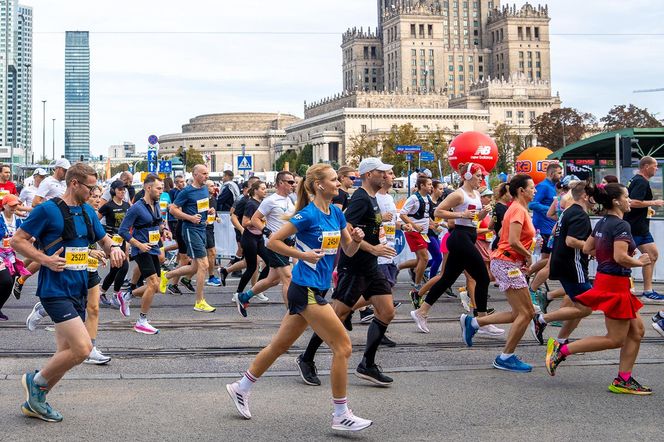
(62, 162)
(427, 172)
(369, 164)
(40, 171)
(486, 192)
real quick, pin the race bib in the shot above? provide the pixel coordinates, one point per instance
(514, 273)
(163, 205)
(153, 237)
(489, 236)
(3, 193)
(382, 238)
(425, 236)
(390, 231)
(331, 241)
(117, 239)
(76, 258)
(211, 218)
(93, 264)
(651, 212)
(5, 242)
(203, 205)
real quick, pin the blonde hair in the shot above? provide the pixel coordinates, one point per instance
(306, 189)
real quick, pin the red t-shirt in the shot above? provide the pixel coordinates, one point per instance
(7, 188)
(516, 213)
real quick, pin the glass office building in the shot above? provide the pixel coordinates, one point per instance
(77, 96)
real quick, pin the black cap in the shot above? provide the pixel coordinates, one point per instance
(117, 184)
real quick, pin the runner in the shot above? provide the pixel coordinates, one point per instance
(28, 193)
(11, 267)
(320, 228)
(229, 194)
(347, 176)
(273, 212)
(359, 276)
(192, 206)
(613, 246)
(127, 178)
(67, 228)
(7, 187)
(210, 245)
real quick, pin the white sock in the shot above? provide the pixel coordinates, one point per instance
(40, 380)
(561, 340)
(505, 356)
(42, 312)
(340, 406)
(247, 381)
(475, 324)
(540, 319)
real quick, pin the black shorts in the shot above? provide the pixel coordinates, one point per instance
(352, 286)
(390, 271)
(299, 297)
(93, 279)
(238, 235)
(275, 260)
(545, 243)
(148, 264)
(64, 309)
(182, 246)
(209, 238)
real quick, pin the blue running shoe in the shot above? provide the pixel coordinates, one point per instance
(657, 317)
(213, 281)
(467, 329)
(659, 326)
(242, 302)
(654, 296)
(35, 404)
(513, 363)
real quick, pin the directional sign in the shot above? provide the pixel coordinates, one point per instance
(152, 167)
(426, 156)
(408, 149)
(152, 156)
(245, 162)
(409, 157)
(165, 166)
(152, 140)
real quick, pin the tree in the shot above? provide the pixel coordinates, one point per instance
(119, 168)
(306, 156)
(194, 157)
(561, 127)
(290, 157)
(361, 147)
(621, 117)
(141, 166)
(510, 145)
(436, 142)
(404, 135)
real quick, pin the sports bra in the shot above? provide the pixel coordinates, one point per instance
(469, 203)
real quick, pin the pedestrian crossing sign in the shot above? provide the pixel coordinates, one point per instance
(245, 162)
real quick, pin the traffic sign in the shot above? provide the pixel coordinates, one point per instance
(152, 140)
(152, 156)
(408, 149)
(165, 166)
(152, 167)
(426, 156)
(245, 162)
(409, 157)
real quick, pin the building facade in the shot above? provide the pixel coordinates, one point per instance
(16, 82)
(126, 149)
(77, 96)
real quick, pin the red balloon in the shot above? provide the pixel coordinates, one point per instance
(473, 147)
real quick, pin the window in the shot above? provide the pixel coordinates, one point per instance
(450, 78)
(431, 53)
(528, 34)
(413, 53)
(422, 31)
(471, 68)
(413, 72)
(537, 33)
(414, 61)
(521, 55)
(366, 52)
(537, 55)
(414, 83)
(508, 114)
(460, 68)
(480, 58)
(423, 52)
(363, 128)
(430, 30)
(450, 58)
(521, 64)
(460, 58)
(412, 31)
(373, 52)
(532, 115)
(460, 77)
(519, 32)
(530, 55)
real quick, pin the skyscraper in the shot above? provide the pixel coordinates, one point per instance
(15, 81)
(77, 96)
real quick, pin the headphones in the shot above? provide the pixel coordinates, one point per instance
(320, 187)
(468, 175)
(111, 190)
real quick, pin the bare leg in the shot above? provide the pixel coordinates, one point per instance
(73, 347)
(651, 250)
(151, 287)
(616, 333)
(92, 312)
(630, 349)
(522, 313)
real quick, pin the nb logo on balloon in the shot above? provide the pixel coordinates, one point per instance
(483, 150)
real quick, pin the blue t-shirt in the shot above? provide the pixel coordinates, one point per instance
(140, 215)
(544, 195)
(45, 223)
(194, 200)
(164, 198)
(316, 230)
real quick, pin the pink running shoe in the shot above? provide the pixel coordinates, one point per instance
(124, 303)
(145, 328)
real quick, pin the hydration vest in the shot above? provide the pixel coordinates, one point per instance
(69, 229)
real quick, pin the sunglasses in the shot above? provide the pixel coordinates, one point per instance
(291, 182)
(90, 188)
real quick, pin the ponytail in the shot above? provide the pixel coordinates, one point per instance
(606, 194)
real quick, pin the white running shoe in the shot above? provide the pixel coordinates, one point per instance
(261, 297)
(490, 330)
(145, 328)
(34, 318)
(465, 300)
(97, 358)
(349, 422)
(240, 400)
(234, 298)
(420, 320)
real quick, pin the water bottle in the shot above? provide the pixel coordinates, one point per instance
(537, 245)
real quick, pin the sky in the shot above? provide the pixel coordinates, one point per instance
(156, 64)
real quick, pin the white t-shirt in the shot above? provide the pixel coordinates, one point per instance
(412, 206)
(27, 195)
(107, 196)
(51, 188)
(386, 204)
(275, 207)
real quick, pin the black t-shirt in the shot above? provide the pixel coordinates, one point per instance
(607, 231)
(239, 207)
(498, 215)
(138, 196)
(114, 213)
(250, 208)
(566, 262)
(639, 189)
(341, 199)
(363, 212)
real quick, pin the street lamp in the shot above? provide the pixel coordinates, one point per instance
(44, 130)
(53, 138)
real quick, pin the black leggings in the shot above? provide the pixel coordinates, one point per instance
(253, 247)
(116, 276)
(6, 283)
(463, 255)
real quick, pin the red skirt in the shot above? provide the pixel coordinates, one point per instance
(611, 294)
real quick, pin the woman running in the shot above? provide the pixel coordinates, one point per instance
(463, 255)
(613, 246)
(113, 212)
(320, 228)
(509, 262)
(12, 267)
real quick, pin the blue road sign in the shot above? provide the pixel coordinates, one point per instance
(152, 167)
(152, 156)
(408, 149)
(245, 162)
(426, 156)
(409, 157)
(165, 166)
(152, 139)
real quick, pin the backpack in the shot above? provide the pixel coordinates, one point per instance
(69, 230)
(420, 212)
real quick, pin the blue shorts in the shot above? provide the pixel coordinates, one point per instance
(390, 272)
(573, 289)
(195, 240)
(64, 309)
(643, 239)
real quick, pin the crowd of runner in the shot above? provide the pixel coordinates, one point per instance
(312, 236)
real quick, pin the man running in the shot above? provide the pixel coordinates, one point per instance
(28, 193)
(66, 231)
(7, 187)
(230, 192)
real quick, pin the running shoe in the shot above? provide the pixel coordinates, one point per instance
(223, 274)
(261, 297)
(415, 299)
(513, 363)
(203, 306)
(349, 422)
(629, 387)
(553, 356)
(145, 328)
(104, 301)
(533, 297)
(537, 329)
(490, 330)
(450, 293)
(467, 329)
(124, 303)
(307, 371)
(213, 281)
(234, 298)
(3, 317)
(373, 374)
(542, 300)
(657, 317)
(241, 400)
(366, 315)
(17, 289)
(34, 318)
(654, 297)
(465, 300)
(163, 282)
(387, 342)
(97, 358)
(242, 302)
(187, 283)
(411, 272)
(348, 322)
(174, 290)
(659, 326)
(396, 304)
(420, 320)
(35, 404)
